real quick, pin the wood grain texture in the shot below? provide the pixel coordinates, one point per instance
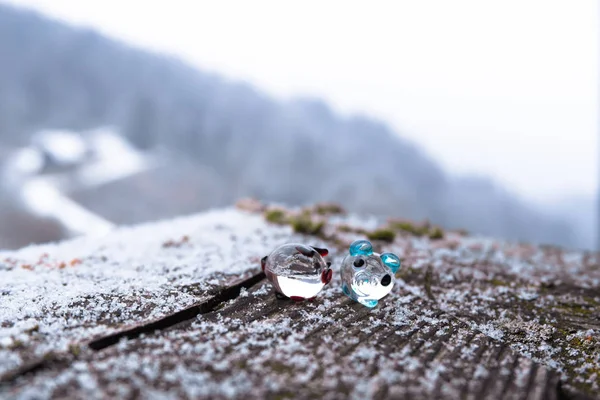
(256, 346)
(468, 318)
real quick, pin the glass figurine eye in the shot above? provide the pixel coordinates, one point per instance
(359, 262)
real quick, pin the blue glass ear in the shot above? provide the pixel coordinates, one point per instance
(391, 260)
(361, 247)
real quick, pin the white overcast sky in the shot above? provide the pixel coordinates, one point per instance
(502, 88)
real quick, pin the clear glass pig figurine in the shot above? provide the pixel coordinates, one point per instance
(297, 271)
(367, 276)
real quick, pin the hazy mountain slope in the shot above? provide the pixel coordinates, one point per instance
(56, 76)
(582, 212)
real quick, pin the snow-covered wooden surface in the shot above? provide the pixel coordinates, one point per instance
(179, 309)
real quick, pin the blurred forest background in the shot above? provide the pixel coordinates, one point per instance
(209, 141)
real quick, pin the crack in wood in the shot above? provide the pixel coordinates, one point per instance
(427, 283)
(47, 360)
(184, 315)
(564, 393)
(52, 358)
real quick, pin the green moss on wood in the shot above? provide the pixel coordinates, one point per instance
(385, 235)
(424, 229)
(499, 282)
(345, 228)
(279, 368)
(16, 344)
(74, 349)
(276, 216)
(408, 227)
(575, 308)
(591, 301)
(436, 233)
(586, 370)
(304, 223)
(329, 209)
(351, 229)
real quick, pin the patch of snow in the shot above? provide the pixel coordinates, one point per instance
(527, 295)
(88, 286)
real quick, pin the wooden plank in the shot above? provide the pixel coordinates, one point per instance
(259, 347)
(53, 299)
(469, 317)
(543, 302)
